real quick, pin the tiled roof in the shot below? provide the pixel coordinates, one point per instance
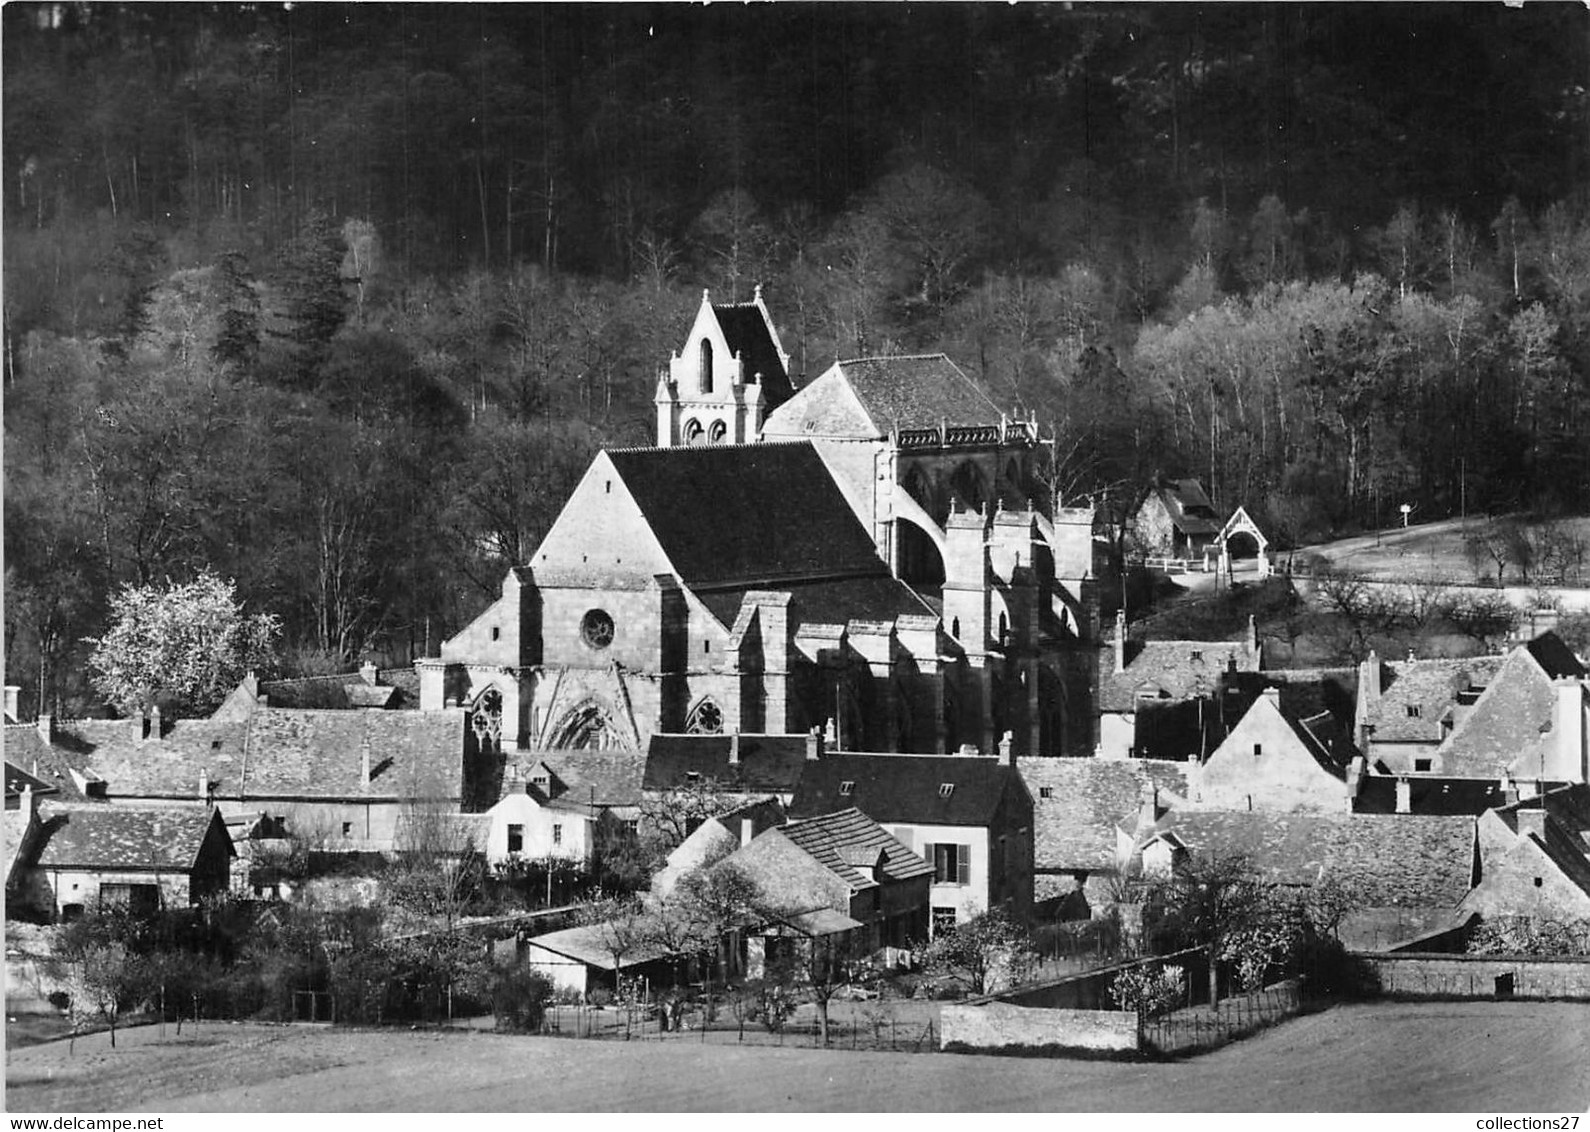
(768, 764)
(831, 838)
(1509, 726)
(280, 753)
(745, 330)
(916, 392)
(18, 780)
(346, 690)
(1189, 506)
(26, 749)
(600, 778)
(1430, 688)
(906, 789)
(1397, 860)
(585, 944)
(1377, 794)
(1169, 670)
(126, 837)
(876, 598)
(747, 514)
(1087, 799)
(1554, 657)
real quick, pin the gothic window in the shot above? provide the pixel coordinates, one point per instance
(718, 433)
(967, 484)
(596, 628)
(585, 728)
(486, 719)
(706, 366)
(706, 718)
(695, 435)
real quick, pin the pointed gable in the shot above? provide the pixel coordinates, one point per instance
(603, 528)
(1270, 761)
(1509, 729)
(748, 332)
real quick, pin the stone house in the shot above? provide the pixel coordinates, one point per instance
(1087, 814)
(968, 815)
(1406, 709)
(1175, 520)
(715, 839)
(1409, 874)
(1272, 760)
(734, 766)
(1534, 858)
(88, 857)
(1169, 699)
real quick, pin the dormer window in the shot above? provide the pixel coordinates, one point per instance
(946, 789)
(1413, 711)
(215, 744)
(706, 366)
(1198, 654)
(846, 789)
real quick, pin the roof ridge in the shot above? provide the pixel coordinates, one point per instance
(898, 358)
(707, 447)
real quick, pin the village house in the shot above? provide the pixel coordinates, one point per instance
(1169, 699)
(735, 767)
(1087, 814)
(1175, 520)
(1273, 760)
(340, 778)
(1522, 719)
(968, 815)
(754, 574)
(715, 839)
(1534, 858)
(1408, 874)
(84, 857)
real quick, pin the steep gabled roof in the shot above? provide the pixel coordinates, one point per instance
(394, 688)
(907, 789)
(26, 749)
(768, 764)
(127, 837)
(1397, 860)
(18, 780)
(840, 840)
(737, 515)
(1509, 727)
(1188, 506)
(1169, 670)
(1417, 694)
(748, 334)
(1078, 804)
(916, 392)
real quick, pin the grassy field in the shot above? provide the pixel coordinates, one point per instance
(1440, 1057)
(1430, 550)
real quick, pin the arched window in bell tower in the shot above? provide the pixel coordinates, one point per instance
(706, 365)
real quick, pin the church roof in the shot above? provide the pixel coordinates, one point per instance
(920, 391)
(745, 329)
(832, 601)
(747, 513)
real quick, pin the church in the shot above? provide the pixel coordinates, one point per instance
(873, 554)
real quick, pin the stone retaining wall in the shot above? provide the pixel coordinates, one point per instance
(999, 1025)
(1430, 975)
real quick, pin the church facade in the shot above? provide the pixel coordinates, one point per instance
(873, 555)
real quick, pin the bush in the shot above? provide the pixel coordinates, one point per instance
(519, 996)
(1149, 989)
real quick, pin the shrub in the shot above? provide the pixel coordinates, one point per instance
(519, 996)
(1149, 989)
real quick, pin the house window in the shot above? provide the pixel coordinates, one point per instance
(1197, 654)
(138, 899)
(557, 835)
(1413, 711)
(496, 632)
(846, 789)
(946, 789)
(943, 920)
(515, 838)
(1423, 764)
(1258, 749)
(215, 744)
(1540, 882)
(1046, 791)
(347, 829)
(952, 864)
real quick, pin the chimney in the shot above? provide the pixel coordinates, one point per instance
(734, 748)
(1508, 788)
(46, 726)
(367, 672)
(364, 764)
(1120, 641)
(1532, 821)
(26, 803)
(1404, 796)
(746, 832)
(1253, 634)
(13, 692)
(154, 722)
(1355, 779)
(204, 784)
(1004, 748)
(1570, 746)
(1273, 694)
(1194, 775)
(814, 745)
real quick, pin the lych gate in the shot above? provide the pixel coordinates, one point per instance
(1242, 523)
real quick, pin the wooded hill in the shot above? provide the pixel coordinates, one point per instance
(339, 299)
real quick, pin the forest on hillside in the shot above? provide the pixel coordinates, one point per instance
(338, 299)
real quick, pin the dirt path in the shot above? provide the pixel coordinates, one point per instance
(1444, 1057)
